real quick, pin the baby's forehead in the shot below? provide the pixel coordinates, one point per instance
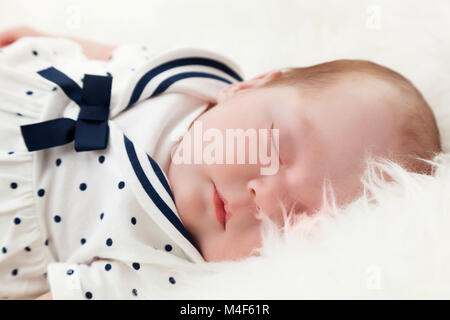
(359, 93)
(352, 99)
(355, 103)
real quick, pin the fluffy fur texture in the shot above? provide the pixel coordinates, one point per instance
(392, 243)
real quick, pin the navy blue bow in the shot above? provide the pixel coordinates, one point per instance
(90, 131)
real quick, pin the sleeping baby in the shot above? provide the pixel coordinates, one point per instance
(118, 166)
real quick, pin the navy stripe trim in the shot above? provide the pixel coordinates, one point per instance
(146, 78)
(151, 192)
(160, 176)
(163, 86)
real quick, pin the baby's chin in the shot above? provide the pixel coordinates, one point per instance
(215, 255)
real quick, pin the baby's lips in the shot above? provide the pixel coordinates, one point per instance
(226, 208)
(219, 208)
(228, 214)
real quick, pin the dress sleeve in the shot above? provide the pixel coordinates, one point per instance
(107, 279)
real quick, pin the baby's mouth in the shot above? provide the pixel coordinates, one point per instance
(220, 208)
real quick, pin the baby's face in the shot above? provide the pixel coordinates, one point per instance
(322, 137)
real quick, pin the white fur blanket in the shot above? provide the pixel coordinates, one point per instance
(393, 244)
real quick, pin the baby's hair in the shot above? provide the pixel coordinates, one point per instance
(419, 134)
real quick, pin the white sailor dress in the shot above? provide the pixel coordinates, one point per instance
(86, 210)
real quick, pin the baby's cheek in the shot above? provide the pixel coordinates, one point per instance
(188, 189)
(231, 178)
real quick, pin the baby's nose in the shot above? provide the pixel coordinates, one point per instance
(267, 195)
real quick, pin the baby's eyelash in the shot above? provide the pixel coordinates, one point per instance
(275, 146)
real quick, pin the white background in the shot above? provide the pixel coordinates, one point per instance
(258, 34)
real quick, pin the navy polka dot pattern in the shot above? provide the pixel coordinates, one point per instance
(136, 266)
(107, 214)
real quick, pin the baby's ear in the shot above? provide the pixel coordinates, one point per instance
(256, 82)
